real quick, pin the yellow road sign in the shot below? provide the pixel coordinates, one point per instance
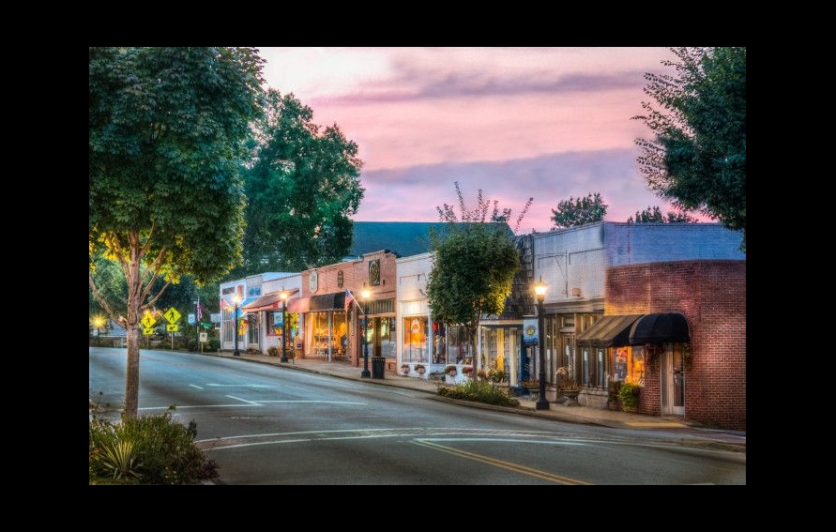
(148, 321)
(148, 331)
(171, 315)
(172, 327)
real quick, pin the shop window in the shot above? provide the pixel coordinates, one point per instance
(415, 339)
(458, 347)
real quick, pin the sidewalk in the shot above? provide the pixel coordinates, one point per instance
(692, 433)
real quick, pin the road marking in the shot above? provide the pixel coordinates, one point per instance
(244, 400)
(240, 385)
(317, 401)
(196, 386)
(502, 464)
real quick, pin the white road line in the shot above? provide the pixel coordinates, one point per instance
(196, 386)
(276, 401)
(239, 385)
(244, 400)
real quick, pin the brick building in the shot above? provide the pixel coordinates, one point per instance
(711, 295)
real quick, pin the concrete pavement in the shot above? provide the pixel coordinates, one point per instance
(691, 433)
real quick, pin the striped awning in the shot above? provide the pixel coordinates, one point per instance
(608, 331)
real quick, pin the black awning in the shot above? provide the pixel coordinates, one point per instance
(324, 302)
(660, 328)
(608, 331)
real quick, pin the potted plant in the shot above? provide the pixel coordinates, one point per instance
(273, 351)
(531, 384)
(420, 369)
(629, 395)
(451, 370)
(567, 386)
(405, 369)
(467, 371)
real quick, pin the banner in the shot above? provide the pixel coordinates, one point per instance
(530, 332)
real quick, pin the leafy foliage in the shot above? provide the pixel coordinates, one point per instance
(629, 394)
(146, 450)
(697, 156)
(478, 390)
(575, 212)
(302, 190)
(166, 146)
(654, 215)
(473, 266)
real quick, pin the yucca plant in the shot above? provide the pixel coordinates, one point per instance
(119, 457)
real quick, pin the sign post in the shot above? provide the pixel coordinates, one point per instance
(172, 316)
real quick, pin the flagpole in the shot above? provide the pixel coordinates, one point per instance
(197, 325)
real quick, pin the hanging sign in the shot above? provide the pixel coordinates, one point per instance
(530, 336)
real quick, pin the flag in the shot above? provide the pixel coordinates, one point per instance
(348, 299)
(199, 312)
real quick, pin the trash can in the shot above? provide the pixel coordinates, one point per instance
(378, 366)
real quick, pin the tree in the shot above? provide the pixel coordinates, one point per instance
(167, 132)
(473, 266)
(697, 156)
(579, 211)
(654, 215)
(302, 190)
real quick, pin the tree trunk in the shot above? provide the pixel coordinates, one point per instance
(132, 328)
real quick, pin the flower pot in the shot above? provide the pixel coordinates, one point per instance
(572, 396)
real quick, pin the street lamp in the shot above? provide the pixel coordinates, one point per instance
(540, 293)
(237, 301)
(98, 322)
(284, 326)
(365, 373)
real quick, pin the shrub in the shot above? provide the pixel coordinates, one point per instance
(478, 390)
(629, 394)
(146, 450)
(214, 344)
(273, 351)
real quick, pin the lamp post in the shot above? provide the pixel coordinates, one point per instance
(284, 326)
(98, 322)
(237, 301)
(540, 293)
(365, 373)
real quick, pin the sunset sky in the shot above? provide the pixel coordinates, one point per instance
(547, 123)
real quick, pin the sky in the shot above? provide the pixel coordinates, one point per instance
(517, 123)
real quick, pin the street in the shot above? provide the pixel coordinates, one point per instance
(268, 425)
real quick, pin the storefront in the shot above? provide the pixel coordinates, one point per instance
(326, 332)
(619, 348)
(265, 320)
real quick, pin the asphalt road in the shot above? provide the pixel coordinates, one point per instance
(268, 425)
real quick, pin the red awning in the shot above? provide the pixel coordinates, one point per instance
(271, 301)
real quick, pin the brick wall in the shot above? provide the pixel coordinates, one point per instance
(712, 297)
(355, 277)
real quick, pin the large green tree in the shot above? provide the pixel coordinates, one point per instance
(697, 156)
(579, 211)
(167, 132)
(301, 191)
(475, 260)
